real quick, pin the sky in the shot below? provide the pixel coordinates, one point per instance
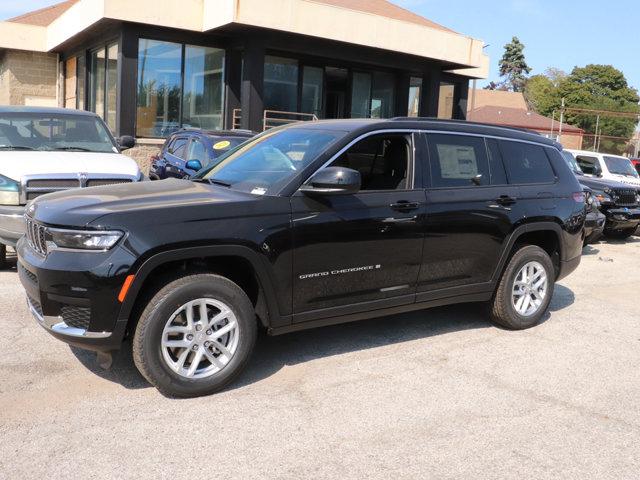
(556, 33)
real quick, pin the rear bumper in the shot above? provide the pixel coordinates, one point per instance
(11, 224)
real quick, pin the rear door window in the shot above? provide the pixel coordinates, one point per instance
(526, 163)
(496, 163)
(589, 165)
(458, 161)
(178, 147)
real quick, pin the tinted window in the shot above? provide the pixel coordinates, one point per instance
(620, 166)
(458, 161)
(221, 145)
(498, 173)
(588, 165)
(197, 151)
(526, 163)
(178, 147)
(382, 160)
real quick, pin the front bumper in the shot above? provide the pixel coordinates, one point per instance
(622, 218)
(11, 224)
(73, 295)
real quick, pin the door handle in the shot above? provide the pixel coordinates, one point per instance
(505, 200)
(404, 206)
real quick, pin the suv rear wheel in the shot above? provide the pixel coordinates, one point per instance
(195, 335)
(525, 289)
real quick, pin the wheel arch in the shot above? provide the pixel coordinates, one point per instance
(168, 265)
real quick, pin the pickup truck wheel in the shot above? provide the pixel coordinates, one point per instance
(525, 289)
(195, 336)
(620, 234)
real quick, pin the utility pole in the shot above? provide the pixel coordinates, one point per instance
(596, 147)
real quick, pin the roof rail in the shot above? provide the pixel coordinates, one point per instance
(463, 122)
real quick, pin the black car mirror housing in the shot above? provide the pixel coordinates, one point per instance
(333, 181)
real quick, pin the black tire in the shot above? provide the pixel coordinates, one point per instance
(3, 256)
(620, 234)
(503, 313)
(147, 340)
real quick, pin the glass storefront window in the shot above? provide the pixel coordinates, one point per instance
(159, 88)
(97, 81)
(415, 92)
(445, 100)
(280, 84)
(112, 86)
(81, 71)
(361, 95)
(203, 88)
(312, 89)
(382, 95)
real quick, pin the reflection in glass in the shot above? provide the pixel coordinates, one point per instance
(280, 84)
(203, 88)
(382, 95)
(415, 91)
(312, 86)
(445, 100)
(96, 82)
(361, 95)
(112, 85)
(159, 92)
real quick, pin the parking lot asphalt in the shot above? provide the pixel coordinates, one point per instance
(433, 394)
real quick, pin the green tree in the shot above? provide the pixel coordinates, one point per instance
(601, 87)
(513, 66)
(542, 95)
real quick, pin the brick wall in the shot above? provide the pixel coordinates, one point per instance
(142, 152)
(28, 78)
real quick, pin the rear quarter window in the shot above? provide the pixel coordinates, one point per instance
(526, 163)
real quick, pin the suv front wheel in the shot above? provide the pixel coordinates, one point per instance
(195, 335)
(525, 289)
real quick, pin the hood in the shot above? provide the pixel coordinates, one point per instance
(17, 164)
(162, 200)
(600, 183)
(626, 180)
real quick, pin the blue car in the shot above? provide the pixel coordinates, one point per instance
(187, 151)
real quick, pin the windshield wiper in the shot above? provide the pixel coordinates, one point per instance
(73, 149)
(211, 181)
(15, 147)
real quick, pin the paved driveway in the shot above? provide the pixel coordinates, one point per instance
(434, 394)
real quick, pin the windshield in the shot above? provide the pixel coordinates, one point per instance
(267, 162)
(620, 166)
(48, 132)
(571, 161)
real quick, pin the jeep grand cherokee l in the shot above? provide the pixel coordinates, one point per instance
(309, 225)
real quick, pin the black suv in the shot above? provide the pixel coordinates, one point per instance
(309, 225)
(619, 202)
(187, 151)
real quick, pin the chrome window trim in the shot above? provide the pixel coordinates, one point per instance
(413, 131)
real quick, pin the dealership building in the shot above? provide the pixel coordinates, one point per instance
(149, 67)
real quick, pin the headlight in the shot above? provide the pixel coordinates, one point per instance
(82, 240)
(9, 191)
(603, 198)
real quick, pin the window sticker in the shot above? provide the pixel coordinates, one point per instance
(222, 145)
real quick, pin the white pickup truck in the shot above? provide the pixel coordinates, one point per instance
(44, 150)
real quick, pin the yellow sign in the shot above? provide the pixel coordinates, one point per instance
(222, 145)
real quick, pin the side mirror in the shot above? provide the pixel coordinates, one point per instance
(194, 165)
(333, 181)
(126, 141)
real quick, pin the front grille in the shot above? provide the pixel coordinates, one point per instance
(77, 317)
(31, 276)
(100, 182)
(625, 197)
(36, 235)
(53, 183)
(33, 303)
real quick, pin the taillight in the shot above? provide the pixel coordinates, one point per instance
(579, 197)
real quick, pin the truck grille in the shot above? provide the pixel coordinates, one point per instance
(36, 235)
(35, 187)
(625, 197)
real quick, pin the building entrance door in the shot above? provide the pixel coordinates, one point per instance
(337, 88)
